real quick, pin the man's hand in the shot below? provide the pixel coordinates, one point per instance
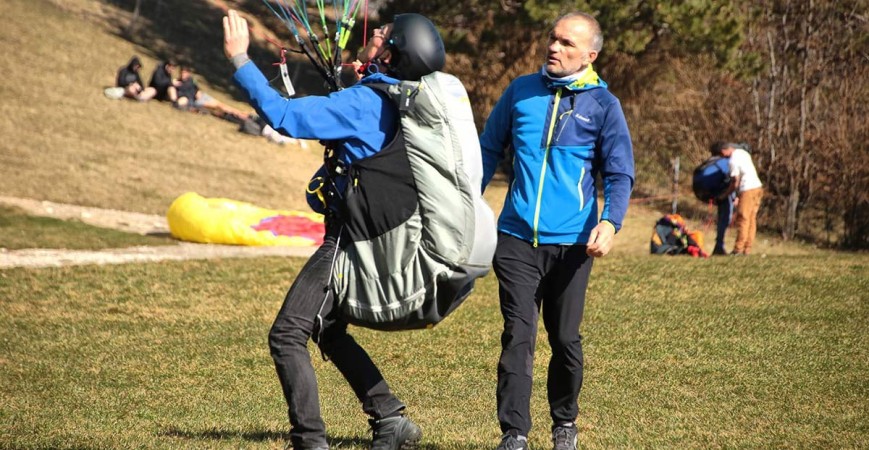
(601, 239)
(377, 47)
(358, 68)
(236, 38)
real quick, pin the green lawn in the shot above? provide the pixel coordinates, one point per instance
(719, 353)
(19, 230)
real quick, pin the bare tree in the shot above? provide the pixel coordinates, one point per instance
(813, 62)
(136, 11)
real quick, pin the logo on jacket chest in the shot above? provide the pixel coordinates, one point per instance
(574, 128)
(582, 118)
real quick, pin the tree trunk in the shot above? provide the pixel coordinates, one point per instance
(793, 201)
(856, 235)
(135, 17)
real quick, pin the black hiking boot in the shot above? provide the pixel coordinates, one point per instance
(394, 433)
(564, 437)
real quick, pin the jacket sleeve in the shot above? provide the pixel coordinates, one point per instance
(617, 165)
(496, 135)
(340, 115)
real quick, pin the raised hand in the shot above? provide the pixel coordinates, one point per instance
(236, 37)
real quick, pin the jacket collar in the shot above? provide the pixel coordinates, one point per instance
(581, 81)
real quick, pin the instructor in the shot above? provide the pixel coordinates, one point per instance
(565, 128)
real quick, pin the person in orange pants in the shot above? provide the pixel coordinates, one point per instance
(749, 192)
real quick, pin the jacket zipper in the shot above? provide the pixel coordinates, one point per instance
(543, 168)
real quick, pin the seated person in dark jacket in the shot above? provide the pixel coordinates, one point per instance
(190, 97)
(162, 87)
(129, 79)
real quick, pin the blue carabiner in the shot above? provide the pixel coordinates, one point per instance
(372, 68)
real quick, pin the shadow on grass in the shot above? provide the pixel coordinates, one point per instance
(218, 435)
(263, 436)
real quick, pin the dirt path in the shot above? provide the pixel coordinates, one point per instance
(124, 221)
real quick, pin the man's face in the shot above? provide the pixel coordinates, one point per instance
(377, 47)
(569, 50)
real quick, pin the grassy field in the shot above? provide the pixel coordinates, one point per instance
(19, 231)
(722, 353)
(768, 351)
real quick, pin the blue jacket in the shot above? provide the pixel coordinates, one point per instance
(361, 120)
(552, 196)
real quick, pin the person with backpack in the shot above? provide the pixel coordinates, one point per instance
(358, 122)
(710, 183)
(749, 192)
(565, 128)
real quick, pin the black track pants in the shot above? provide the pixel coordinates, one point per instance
(288, 340)
(552, 278)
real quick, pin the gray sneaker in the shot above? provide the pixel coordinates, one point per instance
(394, 433)
(510, 442)
(564, 437)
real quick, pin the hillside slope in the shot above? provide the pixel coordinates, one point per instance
(63, 141)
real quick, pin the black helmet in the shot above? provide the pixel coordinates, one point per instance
(416, 47)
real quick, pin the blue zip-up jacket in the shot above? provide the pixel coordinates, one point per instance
(558, 154)
(361, 120)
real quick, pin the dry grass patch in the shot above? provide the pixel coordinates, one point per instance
(65, 142)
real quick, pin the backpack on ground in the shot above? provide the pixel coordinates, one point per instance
(421, 233)
(672, 237)
(711, 178)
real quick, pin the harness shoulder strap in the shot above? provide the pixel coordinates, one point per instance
(402, 94)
